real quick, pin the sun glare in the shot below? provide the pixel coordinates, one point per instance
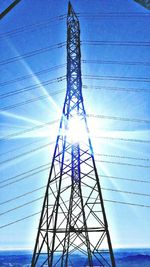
(76, 129)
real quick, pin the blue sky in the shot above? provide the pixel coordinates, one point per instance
(129, 225)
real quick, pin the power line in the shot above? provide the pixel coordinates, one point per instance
(21, 206)
(46, 145)
(30, 173)
(25, 177)
(19, 220)
(63, 65)
(127, 203)
(23, 195)
(106, 200)
(121, 157)
(117, 89)
(124, 163)
(26, 153)
(20, 104)
(39, 198)
(62, 44)
(20, 147)
(116, 43)
(113, 15)
(116, 62)
(98, 154)
(126, 192)
(38, 73)
(32, 87)
(25, 173)
(103, 188)
(28, 130)
(16, 105)
(118, 118)
(98, 137)
(28, 203)
(123, 139)
(41, 72)
(43, 23)
(30, 27)
(60, 79)
(88, 115)
(124, 179)
(96, 16)
(116, 78)
(32, 53)
(45, 167)
(42, 187)
(47, 164)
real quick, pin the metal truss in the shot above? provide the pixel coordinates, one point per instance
(73, 219)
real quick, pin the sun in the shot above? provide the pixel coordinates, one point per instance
(76, 129)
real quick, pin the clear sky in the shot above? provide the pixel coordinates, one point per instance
(129, 225)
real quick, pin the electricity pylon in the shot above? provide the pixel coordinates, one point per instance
(73, 219)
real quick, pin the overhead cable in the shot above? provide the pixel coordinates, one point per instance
(113, 14)
(106, 200)
(47, 144)
(32, 87)
(98, 116)
(117, 89)
(19, 220)
(32, 53)
(30, 175)
(124, 163)
(42, 187)
(116, 62)
(125, 179)
(116, 43)
(126, 192)
(122, 157)
(33, 75)
(6, 137)
(26, 153)
(123, 139)
(22, 195)
(29, 101)
(99, 137)
(33, 26)
(117, 78)
(25, 173)
(47, 165)
(42, 23)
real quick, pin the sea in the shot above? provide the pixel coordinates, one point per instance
(124, 258)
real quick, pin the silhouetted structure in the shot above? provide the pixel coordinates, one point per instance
(73, 219)
(145, 3)
(9, 8)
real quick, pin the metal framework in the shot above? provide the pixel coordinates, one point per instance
(9, 8)
(73, 219)
(145, 3)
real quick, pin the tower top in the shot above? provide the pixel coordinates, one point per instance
(69, 5)
(71, 10)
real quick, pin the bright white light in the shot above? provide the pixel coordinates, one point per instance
(76, 129)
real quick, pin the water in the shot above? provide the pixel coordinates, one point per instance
(124, 258)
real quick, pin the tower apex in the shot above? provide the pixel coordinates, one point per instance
(69, 6)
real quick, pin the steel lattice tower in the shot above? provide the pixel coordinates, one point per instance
(73, 218)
